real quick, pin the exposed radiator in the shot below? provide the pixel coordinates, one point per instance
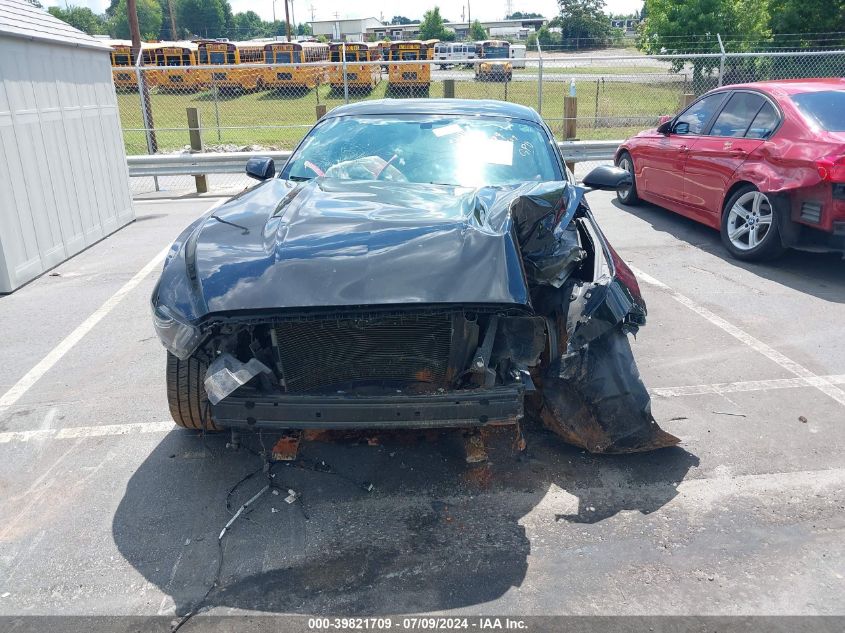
(321, 354)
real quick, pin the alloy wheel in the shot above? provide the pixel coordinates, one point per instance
(625, 192)
(749, 220)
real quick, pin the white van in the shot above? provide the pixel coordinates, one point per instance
(448, 54)
(518, 55)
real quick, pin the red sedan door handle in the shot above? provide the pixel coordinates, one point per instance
(684, 149)
(738, 152)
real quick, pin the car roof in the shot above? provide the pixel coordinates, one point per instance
(793, 86)
(486, 107)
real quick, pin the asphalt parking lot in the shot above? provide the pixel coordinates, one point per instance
(107, 508)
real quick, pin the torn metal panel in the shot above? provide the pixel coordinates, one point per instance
(598, 402)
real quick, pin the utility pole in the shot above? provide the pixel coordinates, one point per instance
(134, 29)
(312, 13)
(173, 35)
(293, 17)
(274, 10)
(469, 14)
(287, 20)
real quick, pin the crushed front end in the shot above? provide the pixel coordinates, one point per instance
(464, 308)
(444, 366)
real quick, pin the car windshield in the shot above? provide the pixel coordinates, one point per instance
(450, 150)
(826, 108)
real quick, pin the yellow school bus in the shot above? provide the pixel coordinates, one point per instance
(360, 76)
(174, 62)
(410, 77)
(495, 62)
(123, 63)
(292, 54)
(213, 53)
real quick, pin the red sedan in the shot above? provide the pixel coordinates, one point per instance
(762, 162)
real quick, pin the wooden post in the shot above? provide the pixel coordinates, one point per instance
(570, 123)
(321, 110)
(195, 134)
(449, 88)
(687, 99)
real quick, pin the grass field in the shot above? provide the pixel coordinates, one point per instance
(607, 109)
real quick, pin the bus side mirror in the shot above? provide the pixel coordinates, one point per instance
(260, 168)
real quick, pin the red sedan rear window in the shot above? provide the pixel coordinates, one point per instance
(827, 108)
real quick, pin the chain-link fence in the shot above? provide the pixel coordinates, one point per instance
(254, 107)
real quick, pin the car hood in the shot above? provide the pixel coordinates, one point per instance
(329, 242)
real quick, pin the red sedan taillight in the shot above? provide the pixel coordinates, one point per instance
(831, 168)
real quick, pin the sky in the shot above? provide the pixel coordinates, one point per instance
(414, 9)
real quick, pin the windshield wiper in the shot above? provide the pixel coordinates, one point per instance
(299, 178)
(245, 230)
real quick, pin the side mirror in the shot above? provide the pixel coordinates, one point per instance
(260, 168)
(681, 127)
(665, 127)
(607, 178)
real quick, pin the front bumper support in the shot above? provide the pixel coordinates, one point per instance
(478, 407)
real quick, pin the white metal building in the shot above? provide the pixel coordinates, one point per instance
(347, 30)
(63, 178)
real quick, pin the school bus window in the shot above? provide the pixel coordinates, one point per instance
(121, 59)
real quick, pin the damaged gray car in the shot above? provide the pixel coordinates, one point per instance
(415, 264)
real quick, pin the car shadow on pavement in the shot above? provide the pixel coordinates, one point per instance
(819, 274)
(432, 533)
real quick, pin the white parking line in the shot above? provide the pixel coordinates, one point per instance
(34, 375)
(819, 382)
(78, 432)
(741, 386)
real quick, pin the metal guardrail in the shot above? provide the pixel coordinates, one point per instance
(205, 163)
(198, 164)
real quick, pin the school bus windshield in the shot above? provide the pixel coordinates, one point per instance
(496, 52)
(283, 57)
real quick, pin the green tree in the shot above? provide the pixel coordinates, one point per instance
(304, 29)
(476, 31)
(149, 19)
(204, 18)
(807, 17)
(520, 15)
(691, 27)
(583, 21)
(432, 27)
(81, 18)
(401, 19)
(248, 25)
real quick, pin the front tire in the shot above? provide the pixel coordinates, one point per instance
(627, 195)
(749, 228)
(189, 405)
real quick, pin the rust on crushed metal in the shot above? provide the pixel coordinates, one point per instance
(519, 443)
(286, 448)
(474, 447)
(424, 375)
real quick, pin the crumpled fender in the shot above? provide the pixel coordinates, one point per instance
(595, 399)
(589, 389)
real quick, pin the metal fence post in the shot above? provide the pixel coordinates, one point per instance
(539, 79)
(721, 59)
(195, 134)
(448, 88)
(570, 122)
(216, 108)
(345, 77)
(146, 110)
